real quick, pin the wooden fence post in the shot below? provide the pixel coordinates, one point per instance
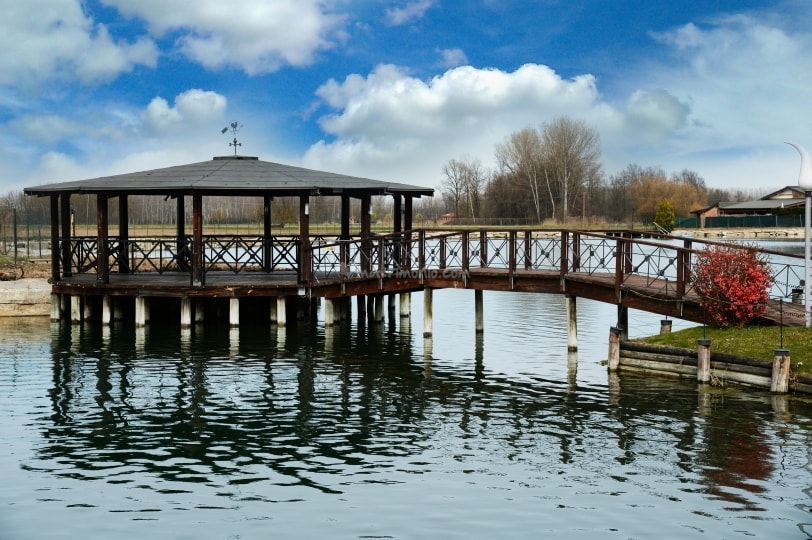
(614, 348)
(703, 369)
(779, 382)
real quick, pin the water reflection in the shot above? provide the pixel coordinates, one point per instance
(324, 410)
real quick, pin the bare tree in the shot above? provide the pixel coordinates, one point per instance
(571, 153)
(520, 156)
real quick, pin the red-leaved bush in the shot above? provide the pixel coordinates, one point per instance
(733, 283)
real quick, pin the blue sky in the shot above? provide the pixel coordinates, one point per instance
(394, 90)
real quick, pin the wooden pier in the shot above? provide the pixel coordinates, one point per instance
(273, 277)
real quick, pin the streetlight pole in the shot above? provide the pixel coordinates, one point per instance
(805, 183)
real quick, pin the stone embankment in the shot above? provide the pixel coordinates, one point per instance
(25, 297)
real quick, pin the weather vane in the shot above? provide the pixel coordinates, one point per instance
(235, 128)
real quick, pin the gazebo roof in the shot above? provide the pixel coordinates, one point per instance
(231, 175)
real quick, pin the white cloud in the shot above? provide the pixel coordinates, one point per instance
(452, 57)
(408, 13)
(192, 108)
(256, 36)
(53, 39)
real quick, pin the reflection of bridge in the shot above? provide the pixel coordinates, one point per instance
(650, 273)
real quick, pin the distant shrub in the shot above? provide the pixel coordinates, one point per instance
(733, 283)
(665, 217)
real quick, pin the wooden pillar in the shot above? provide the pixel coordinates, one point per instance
(665, 326)
(234, 312)
(181, 250)
(75, 309)
(779, 382)
(123, 235)
(345, 217)
(572, 324)
(390, 306)
(281, 311)
(54, 240)
(198, 272)
(199, 311)
(56, 304)
(141, 311)
(479, 312)
(366, 229)
(614, 348)
(405, 305)
(185, 312)
(305, 255)
(102, 229)
(623, 321)
(703, 367)
(378, 308)
(361, 306)
(267, 234)
(107, 309)
(330, 312)
(65, 212)
(407, 238)
(427, 313)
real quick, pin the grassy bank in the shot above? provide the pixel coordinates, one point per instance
(753, 342)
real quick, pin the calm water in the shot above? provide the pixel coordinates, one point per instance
(366, 432)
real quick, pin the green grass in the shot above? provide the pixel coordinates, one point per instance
(754, 342)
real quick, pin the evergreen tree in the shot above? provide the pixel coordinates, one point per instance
(665, 218)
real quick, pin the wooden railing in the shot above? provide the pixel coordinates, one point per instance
(661, 262)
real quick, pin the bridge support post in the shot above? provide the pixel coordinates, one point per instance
(479, 312)
(329, 312)
(233, 312)
(199, 311)
(614, 348)
(427, 312)
(56, 312)
(378, 308)
(572, 324)
(75, 309)
(107, 310)
(141, 311)
(185, 312)
(779, 382)
(371, 307)
(361, 307)
(703, 367)
(623, 321)
(390, 306)
(405, 305)
(281, 311)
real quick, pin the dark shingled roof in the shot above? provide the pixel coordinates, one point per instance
(232, 175)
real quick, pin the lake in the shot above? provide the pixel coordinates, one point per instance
(370, 431)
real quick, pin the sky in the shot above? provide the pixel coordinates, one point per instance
(395, 90)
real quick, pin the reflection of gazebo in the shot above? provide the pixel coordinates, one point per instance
(195, 255)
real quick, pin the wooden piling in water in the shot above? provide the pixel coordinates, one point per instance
(779, 381)
(427, 313)
(614, 348)
(479, 312)
(703, 367)
(185, 312)
(572, 324)
(405, 305)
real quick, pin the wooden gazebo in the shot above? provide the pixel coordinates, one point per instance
(104, 257)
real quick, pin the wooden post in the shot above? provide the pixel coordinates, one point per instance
(479, 312)
(107, 309)
(614, 348)
(185, 312)
(102, 259)
(75, 309)
(123, 235)
(779, 382)
(329, 312)
(197, 239)
(665, 326)
(405, 305)
(427, 313)
(572, 324)
(390, 306)
(54, 241)
(55, 307)
(233, 312)
(65, 212)
(181, 251)
(361, 306)
(199, 311)
(703, 367)
(141, 308)
(267, 246)
(623, 321)
(281, 313)
(305, 254)
(378, 308)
